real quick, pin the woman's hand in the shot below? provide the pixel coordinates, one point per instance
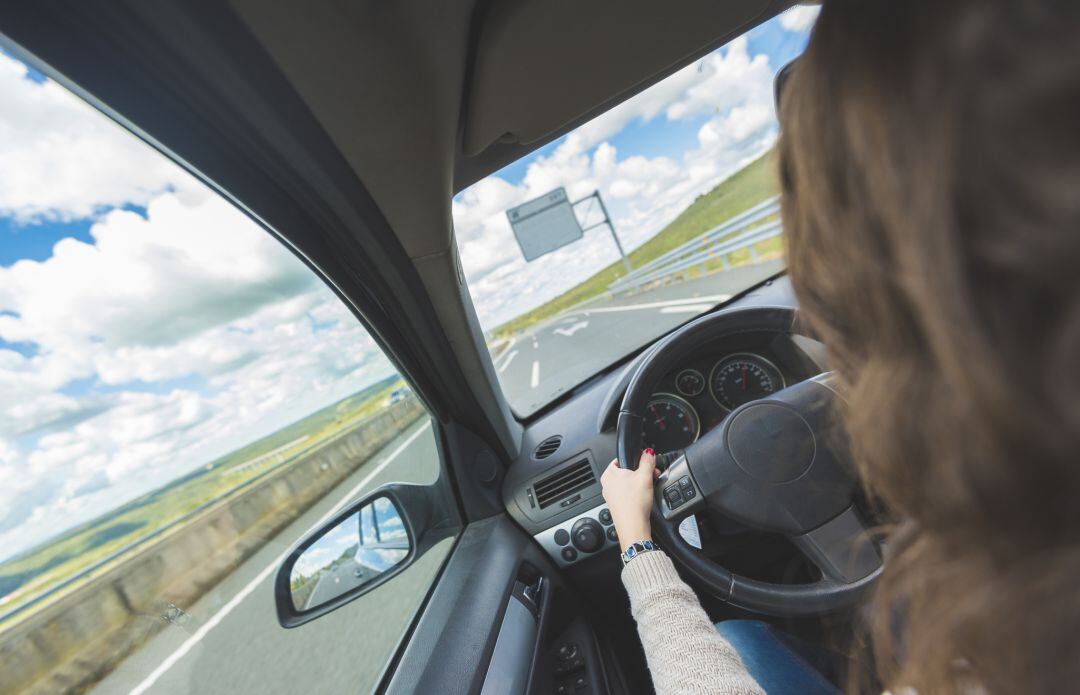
(629, 496)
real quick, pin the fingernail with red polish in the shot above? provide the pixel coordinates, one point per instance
(650, 452)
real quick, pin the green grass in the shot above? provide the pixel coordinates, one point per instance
(60, 557)
(745, 188)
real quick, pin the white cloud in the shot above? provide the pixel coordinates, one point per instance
(98, 157)
(800, 18)
(729, 92)
(169, 340)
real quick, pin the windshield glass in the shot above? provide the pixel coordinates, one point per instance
(634, 223)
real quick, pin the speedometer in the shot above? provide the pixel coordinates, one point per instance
(670, 423)
(742, 378)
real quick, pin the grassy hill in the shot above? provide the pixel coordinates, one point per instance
(745, 188)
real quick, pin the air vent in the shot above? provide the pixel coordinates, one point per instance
(547, 447)
(564, 483)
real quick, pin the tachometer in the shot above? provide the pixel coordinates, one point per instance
(670, 423)
(742, 378)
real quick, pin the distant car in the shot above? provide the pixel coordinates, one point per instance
(399, 394)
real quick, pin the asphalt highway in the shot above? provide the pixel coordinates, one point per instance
(334, 583)
(230, 641)
(347, 576)
(555, 356)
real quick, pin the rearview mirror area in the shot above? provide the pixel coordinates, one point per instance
(362, 547)
(365, 545)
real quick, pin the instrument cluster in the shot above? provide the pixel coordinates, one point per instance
(701, 393)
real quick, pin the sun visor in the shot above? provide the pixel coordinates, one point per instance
(543, 66)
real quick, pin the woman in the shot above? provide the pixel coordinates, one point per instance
(930, 169)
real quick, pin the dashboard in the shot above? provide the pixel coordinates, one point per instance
(553, 488)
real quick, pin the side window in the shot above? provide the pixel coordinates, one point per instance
(182, 399)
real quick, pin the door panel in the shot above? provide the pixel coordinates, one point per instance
(479, 596)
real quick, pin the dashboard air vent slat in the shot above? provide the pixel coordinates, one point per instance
(547, 447)
(564, 483)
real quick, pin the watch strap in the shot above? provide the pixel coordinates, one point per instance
(637, 548)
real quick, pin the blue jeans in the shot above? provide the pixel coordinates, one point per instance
(777, 662)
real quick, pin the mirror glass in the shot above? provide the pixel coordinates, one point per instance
(363, 546)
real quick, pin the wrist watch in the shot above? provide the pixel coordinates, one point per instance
(637, 548)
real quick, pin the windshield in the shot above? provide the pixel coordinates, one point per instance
(634, 223)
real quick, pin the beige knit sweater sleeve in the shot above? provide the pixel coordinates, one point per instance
(685, 653)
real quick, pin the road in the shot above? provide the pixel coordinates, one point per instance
(332, 584)
(232, 642)
(554, 356)
(349, 575)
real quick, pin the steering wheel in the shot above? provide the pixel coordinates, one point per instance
(776, 464)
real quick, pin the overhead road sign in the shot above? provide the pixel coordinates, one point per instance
(548, 223)
(544, 224)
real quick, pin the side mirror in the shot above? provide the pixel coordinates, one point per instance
(361, 548)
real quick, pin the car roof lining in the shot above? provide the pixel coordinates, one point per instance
(424, 98)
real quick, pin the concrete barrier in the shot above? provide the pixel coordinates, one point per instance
(79, 637)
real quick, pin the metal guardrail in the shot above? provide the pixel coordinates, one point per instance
(90, 570)
(708, 246)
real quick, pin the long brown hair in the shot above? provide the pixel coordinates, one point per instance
(930, 168)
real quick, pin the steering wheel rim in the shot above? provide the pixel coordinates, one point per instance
(775, 464)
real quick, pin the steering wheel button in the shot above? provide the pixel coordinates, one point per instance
(562, 536)
(685, 484)
(688, 493)
(569, 554)
(673, 496)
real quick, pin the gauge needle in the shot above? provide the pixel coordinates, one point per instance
(659, 420)
(744, 378)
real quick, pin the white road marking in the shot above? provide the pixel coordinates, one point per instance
(535, 344)
(506, 350)
(686, 309)
(572, 329)
(535, 375)
(236, 600)
(710, 301)
(509, 359)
